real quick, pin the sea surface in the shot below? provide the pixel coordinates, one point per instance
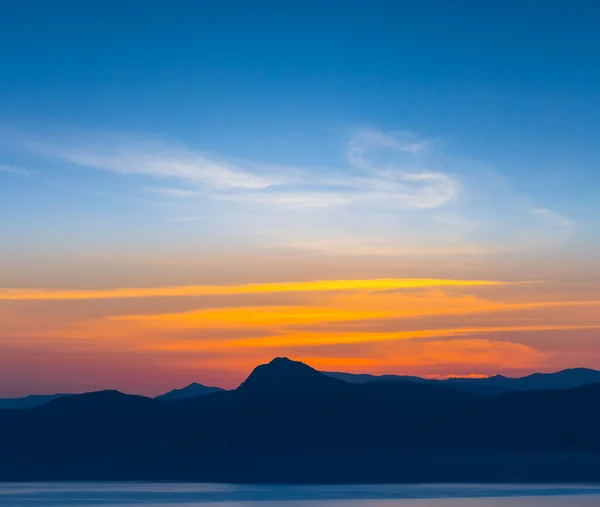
(228, 495)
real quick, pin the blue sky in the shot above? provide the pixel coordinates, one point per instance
(503, 87)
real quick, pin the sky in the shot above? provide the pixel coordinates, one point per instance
(189, 189)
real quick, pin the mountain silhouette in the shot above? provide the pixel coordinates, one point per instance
(284, 376)
(33, 400)
(290, 423)
(565, 379)
(494, 385)
(484, 387)
(190, 391)
(476, 388)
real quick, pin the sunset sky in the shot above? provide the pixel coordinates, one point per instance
(188, 189)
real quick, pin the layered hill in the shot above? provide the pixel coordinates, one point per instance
(190, 391)
(288, 422)
(494, 385)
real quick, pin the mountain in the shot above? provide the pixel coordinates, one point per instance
(483, 387)
(361, 378)
(283, 376)
(565, 379)
(191, 391)
(492, 386)
(290, 423)
(475, 388)
(33, 400)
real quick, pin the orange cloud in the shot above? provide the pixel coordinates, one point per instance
(390, 307)
(452, 375)
(252, 316)
(423, 326)
(481, 353)
(328, 338)
(256, 288)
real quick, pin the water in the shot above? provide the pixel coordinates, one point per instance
(226, 495)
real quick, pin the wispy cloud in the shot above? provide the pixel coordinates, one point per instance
(173, 192)
(400, 183)
(436, 325)
(328, 338)
(258, 288)
(400, 141)
(17, 171)
(394, 192)
(186, 219)
(151, 157)
(552, 218)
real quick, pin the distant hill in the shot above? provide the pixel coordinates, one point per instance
(290, 423)
(492, 386)
(33, 400)
(477, 389)
(483, 387)
(191, 391)
(565, 379)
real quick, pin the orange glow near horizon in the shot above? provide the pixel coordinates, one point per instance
(450, 376)
(217, 334)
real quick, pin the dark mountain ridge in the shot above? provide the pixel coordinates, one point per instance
(494, 385)
(190, 391)
(33, 400)
(288, 422)
(485, 387)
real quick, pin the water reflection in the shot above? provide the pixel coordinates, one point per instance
(187, 495)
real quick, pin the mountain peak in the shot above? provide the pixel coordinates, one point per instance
(192, 390)
(284, 374)
(284, 366)
(285, 361)
(282, 358)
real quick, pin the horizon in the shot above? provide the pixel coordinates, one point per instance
(190, 189)
(179, 388)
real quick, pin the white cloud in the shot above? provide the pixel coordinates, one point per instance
(173, 192)
(395, 193)
(393, 169)
(396, 182)
(400, 141)
(17, 171)
(186, 219)
(375, 175)
(153, 158)
(295, 198)
(552, 218)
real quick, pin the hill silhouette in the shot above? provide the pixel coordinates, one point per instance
(494, 385)
(190, 391)
(565, 379)
(288, 422)
(33, 400)
(485, 387)
(283, 376)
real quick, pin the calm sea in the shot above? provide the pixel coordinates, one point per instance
(187, 495)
